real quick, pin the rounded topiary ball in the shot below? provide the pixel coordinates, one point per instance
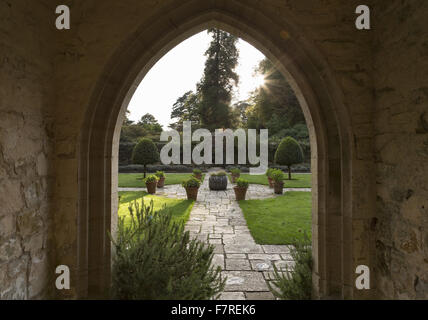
(145, 152)
(288, 153)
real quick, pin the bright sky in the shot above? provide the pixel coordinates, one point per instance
(180, 70)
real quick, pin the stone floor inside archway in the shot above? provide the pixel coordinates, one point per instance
(216, 218)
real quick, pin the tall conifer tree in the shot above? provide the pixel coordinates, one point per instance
(219, 79)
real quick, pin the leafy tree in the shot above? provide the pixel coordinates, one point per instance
(148, 126)
(149, 123)
(276, 97)
(126, 121)
(218, 81)
(240, 114)
(145, 152)
(288, 153)
(274, 105)
(185, 109)
(132, 133)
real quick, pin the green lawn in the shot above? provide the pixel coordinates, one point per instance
(279, 220)
(298, 180)
(134, 180)
(180, 208)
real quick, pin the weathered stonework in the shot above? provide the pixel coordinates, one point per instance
(401, 144)
(62, 95)
(26, 144)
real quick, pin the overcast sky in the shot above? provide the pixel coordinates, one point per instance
(180, 70)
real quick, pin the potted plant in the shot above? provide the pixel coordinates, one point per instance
(192, 186)
(218, 181)
(161, 178)
(269, 176)
(278, 181)
(236, 172)
(151, 183)
(241, 188)
(197, 173)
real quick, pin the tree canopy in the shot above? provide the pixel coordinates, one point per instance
(218, 81)
(148, 127)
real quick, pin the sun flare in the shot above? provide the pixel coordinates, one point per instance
(258, 81)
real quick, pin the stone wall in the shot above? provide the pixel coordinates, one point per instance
(26, 142)
(47, 83)
(98, 32)
(401, 136)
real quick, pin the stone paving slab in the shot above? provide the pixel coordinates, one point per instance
(216, 218)
(238, 264)
(259, 296)
(232, 296)
(245, 281)
(246, 264)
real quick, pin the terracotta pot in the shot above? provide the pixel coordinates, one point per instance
(235, 176)
(198, 176)
(151, 187)
(270, 180)
(240, 193)
(278, 186)
(192, 193)
(161, 182)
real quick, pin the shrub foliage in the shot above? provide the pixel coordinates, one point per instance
(150, 179)
(155, 259)
(192, 182)
(295, 284)
(242, 183)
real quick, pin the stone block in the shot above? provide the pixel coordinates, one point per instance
(244, 281)
(237, 264)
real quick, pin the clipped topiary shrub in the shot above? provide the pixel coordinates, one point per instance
(156, 260)
(288, 153)
(145, 152)
(295, 283)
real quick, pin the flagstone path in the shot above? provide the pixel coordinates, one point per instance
(216, 218)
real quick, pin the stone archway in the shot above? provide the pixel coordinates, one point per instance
(319, 96)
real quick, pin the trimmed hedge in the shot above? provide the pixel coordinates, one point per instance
(180, 168)
(125, 151)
